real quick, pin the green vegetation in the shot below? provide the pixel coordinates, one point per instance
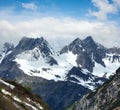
(27, 87)
(23, 92)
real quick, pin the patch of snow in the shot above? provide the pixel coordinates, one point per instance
(3, 54)
(37, 104)
(31, 55)
(27, 104)
(83, 83)
(17, 99)
(6, 92)
(69, 58)
(28, 99)
(7, 84)
(85, 71)
(34, 108)
(110, 68)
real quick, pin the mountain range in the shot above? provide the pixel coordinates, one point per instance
(62, 77)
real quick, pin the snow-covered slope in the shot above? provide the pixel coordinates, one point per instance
(39, 67)
(33, 63)
(111, 65)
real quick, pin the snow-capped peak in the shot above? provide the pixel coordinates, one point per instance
(6, 50)
(30, 43)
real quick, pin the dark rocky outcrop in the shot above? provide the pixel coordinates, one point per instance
(87, 52)
(107, 97)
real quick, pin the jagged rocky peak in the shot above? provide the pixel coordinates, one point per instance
(88, 52)
(33, 49)
(7, 47)
(89, 44)
(89, 39)
(93, 47)
(113, 54)
(95, 50)
(31, 43)
(77, 41)
(75, 47)
(114, 50)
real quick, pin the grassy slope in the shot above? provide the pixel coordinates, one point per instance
(8, 103)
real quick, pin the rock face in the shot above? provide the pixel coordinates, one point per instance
(87, 50)
(90, 55)
(107, 97)
(30, 43)
(7, 48)
(15, 97)
(114, 50)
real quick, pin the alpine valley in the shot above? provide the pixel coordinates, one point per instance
(62, 77)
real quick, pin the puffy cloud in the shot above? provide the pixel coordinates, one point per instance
(105, 8)
(60, 31)
(31, 6)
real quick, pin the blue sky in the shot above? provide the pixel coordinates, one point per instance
(78, 9)
(60, 19)
(72, 8)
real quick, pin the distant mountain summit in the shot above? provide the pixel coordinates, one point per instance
(31, 43)
(32, 49)
(82, 65)
(87, 51)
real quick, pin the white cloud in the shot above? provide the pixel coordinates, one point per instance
(105, 8)
(117, 2)
(60, 31)
(31, 6)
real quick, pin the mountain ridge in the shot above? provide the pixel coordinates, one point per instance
(107, 97)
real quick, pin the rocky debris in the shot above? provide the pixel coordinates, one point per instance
(107, 97)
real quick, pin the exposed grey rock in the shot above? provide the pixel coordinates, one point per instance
(107, 97)
(7, 47)
(115, 50)
(87, 52)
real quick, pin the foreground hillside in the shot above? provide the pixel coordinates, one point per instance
(15, 97)
(106, 97)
